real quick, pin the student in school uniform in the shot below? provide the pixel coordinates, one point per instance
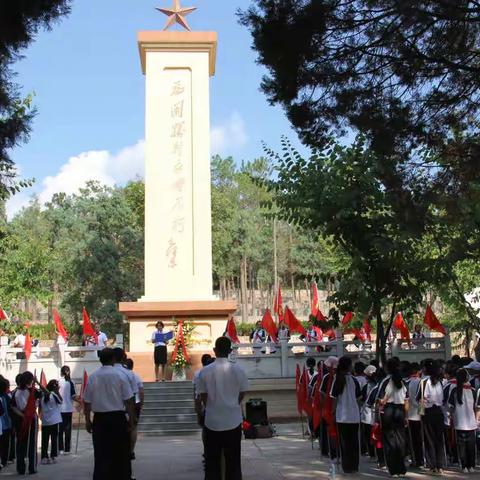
(346, 392)
(414, 419)
(139, 398)
(69, 395)
(327, 427)
(51, 421)
(26, 431)
(393, 402)
(430, 398)
(108, 396)
(258, 338)
(375, 433)
(6, 422)
(462, 402)
(367, 413)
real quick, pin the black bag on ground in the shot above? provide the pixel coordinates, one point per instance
(256, 410)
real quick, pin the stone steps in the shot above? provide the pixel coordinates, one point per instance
(168, 409)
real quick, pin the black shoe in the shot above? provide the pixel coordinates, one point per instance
(132, 456)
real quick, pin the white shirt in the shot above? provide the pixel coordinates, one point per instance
(139, 384)
(21, 398)
(66, 393)
(390, 393)
(433, 394)
(130, 376)
(362, 380)
(195, 383)
(413, 414)
(51, 414)
(107, 390)
(19, 341)
(100, 340)
(464, 415)
(347, 410)
(223, 382)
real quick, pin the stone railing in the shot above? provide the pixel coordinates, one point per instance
(279, 360)
(50, 360)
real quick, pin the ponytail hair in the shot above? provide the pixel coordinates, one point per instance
(393, 368)
(433, 370)
(343, 368)
(461, 377)
(65, 372)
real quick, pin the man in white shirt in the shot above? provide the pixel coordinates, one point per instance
(108, 395)
(222, 386)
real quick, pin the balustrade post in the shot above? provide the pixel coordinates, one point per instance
(284, 358)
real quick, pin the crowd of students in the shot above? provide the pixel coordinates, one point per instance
(404, 416)
(32, 402)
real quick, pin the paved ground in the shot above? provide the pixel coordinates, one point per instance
(285, 457)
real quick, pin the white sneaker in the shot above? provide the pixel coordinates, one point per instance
(67, 453)
(62, 452)
(45, 461)
(471, 470)
(465, 470)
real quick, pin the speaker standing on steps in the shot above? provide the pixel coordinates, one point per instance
(160, 352)
(222, 386)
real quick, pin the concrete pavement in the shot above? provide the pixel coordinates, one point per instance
(285, 457)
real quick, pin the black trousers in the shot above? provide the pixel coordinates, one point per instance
(111, 446)
(434, 439)
(416, 442)
(13, 445)
(466, 448)
(29, 442)
(65, 434)
(50, 435)
(228, 441)
(367, 444)
(393, 438)
(5, 447)
(349, 447)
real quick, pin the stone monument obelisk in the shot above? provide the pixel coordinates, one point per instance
(178, 239)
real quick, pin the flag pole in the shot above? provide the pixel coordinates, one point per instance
(78, 428)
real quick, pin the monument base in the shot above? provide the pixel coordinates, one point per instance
(209, 317)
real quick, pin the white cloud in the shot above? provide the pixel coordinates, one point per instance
(230, 136)
(100, 165)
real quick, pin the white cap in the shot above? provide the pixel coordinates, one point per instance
(473, 366)
(331, 362)
(370, 370)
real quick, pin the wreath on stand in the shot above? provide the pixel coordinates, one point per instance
(180, 359)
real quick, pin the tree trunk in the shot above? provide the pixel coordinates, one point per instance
(243, 289)
(381, 342)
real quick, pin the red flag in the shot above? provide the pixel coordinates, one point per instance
(320, 316)
(28, 344)
(293, 323)
(327, 412)
(278, 305)
(432, 322)
(43, 379)
(3, 315)
(358, 333)
(376, 436)
(28, 414)
(59, 325)
(314, 309)
(298, 376)
(232, 330)
(317, 401)
(368, 328)
(399, 324)
(88, 329)
(347, 318)
(306, 405)
(269, 325)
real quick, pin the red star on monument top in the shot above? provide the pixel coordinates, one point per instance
(176, 14)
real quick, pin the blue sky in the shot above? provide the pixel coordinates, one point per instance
(90, 94)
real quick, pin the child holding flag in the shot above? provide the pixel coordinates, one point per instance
(51, 420)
